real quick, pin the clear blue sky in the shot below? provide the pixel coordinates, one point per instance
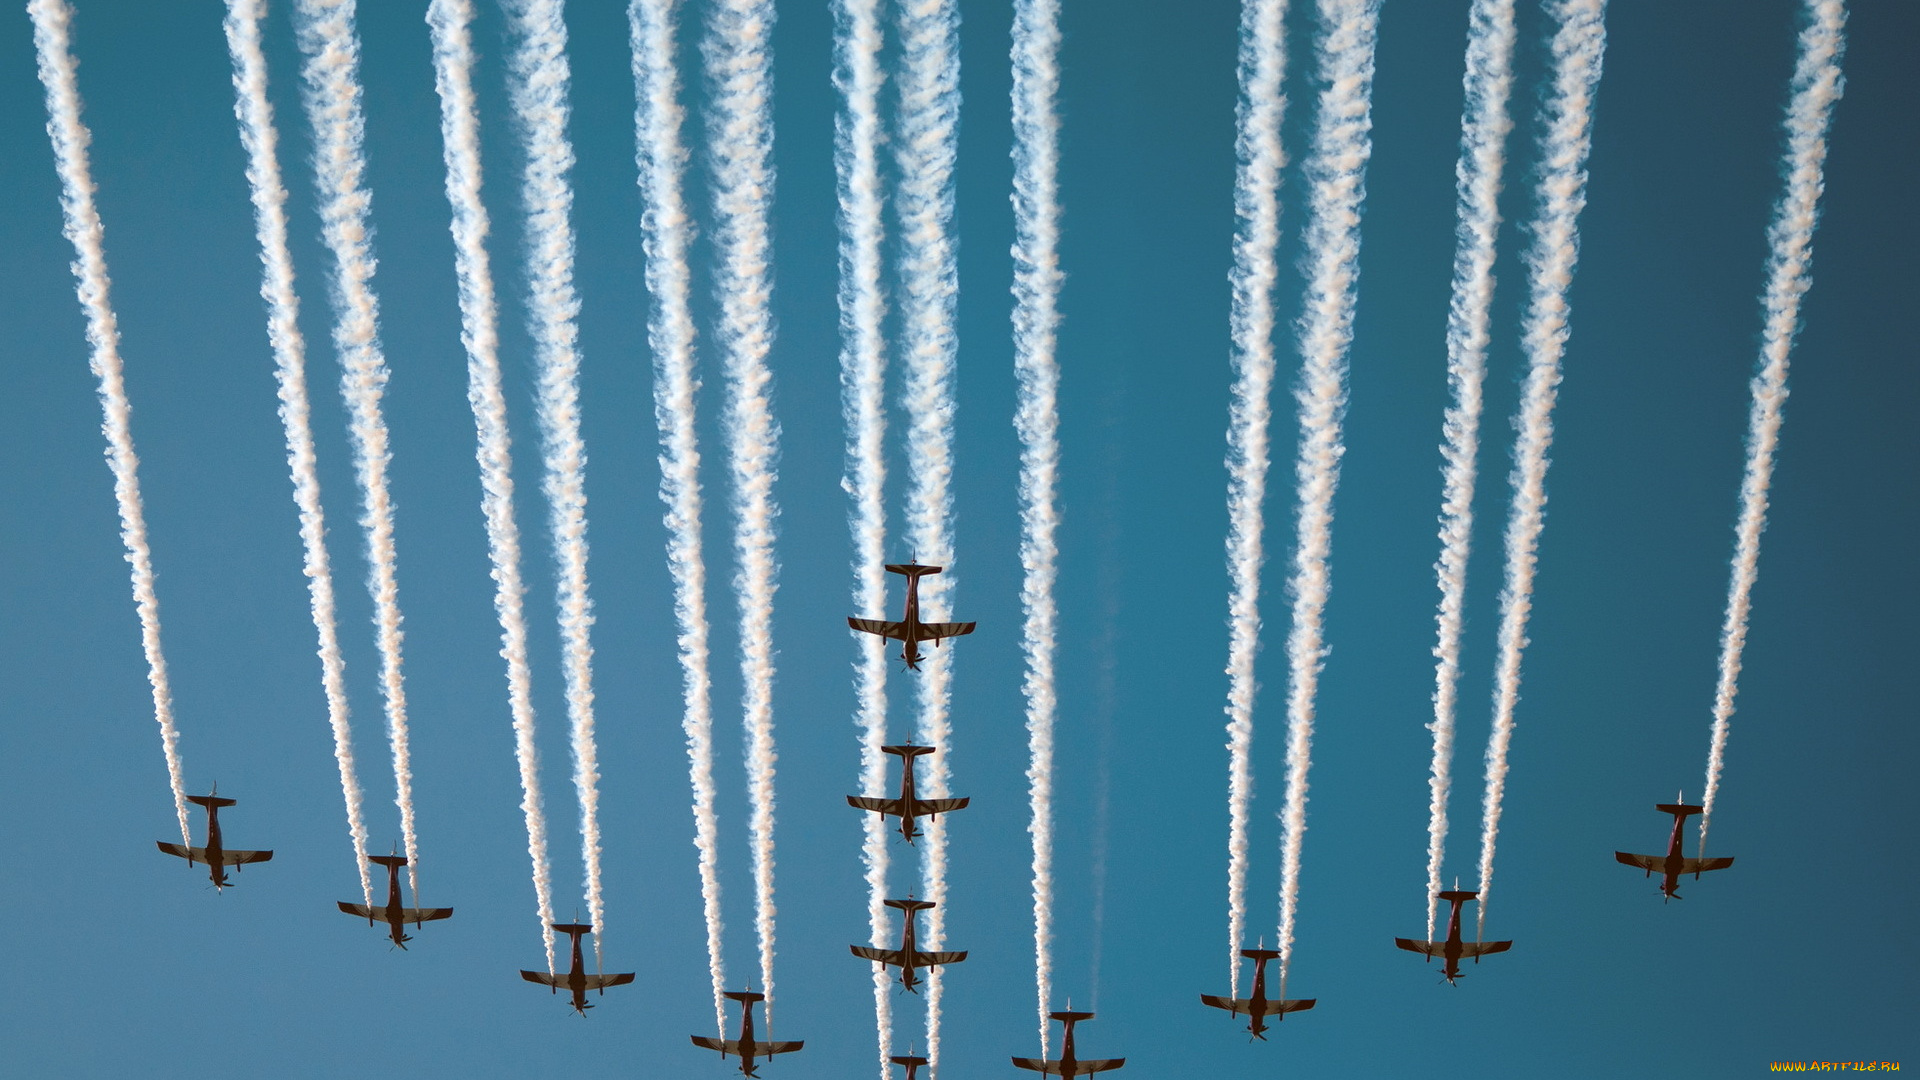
(122, 962)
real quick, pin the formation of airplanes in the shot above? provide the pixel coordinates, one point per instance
(909, 808)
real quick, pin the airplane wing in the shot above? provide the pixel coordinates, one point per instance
(725, 1046)
(544, 979)
(362, 910)
(782, 1047)
(235, 858)
(1101, 1065)
(192, 855)
(878, 956)
(1036, 1065)
(1236, 1006)
(922, 959)
(930, 807)
(934, 631)
(420, 915)
(1483, 948)
(1651, 864)
(601, 982)
(1430, 948)
(878, 806)
(894, 630)
(1695, 866)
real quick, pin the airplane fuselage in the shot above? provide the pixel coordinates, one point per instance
(910, 651)
(1257, 1028)
(748, 1048)
(577, 978)
(909, 823)
(1452, 954)
(1670, 884)
(216, 851)
(396, 911)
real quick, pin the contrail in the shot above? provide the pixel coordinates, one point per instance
(450, 21)
(81, 221)
(1483, 141)
(1036, 318)
(1256, 203)
(539, 94)
(1816, 87)
(863, 365)
(1336, 174)
(661, 159)
(1578, 46)
(269, 192)
(924, 155)
(332, 98)
(739, 57)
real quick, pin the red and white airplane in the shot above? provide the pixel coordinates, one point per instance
(1258, 1006)
(1453, 950)
(746, 1046)
(1673, 864)
(577, 981)
(908, 957)
(1068, 1063)
(393, 913)
(909, 807)
(214, 856)
(910, 630)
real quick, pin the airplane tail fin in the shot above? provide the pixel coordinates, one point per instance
(747, 996)
(907, 750)
(391, 860)
(1260, 954)
(1070, 1017)
(1452, 895)
(1679, 810)
(913, 570)
(909, 905)
(210, 801)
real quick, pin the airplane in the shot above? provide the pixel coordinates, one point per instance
(1453, 949)
(577, 981)
(908, 808)
(911, 1063)
(907, 957)
(911, 630)
(1673, 864)
(395, 916)
(746, 1046)
(1067, 1064)
(216, 857)
(1258, 1006)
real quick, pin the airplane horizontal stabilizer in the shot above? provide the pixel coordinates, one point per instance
(912, 569)
(878, 806)
(928, 959)
(1695, 866)
(210, 801)
(601, 982)
(1483, 948)
(930, 807)
(894, 630)
(1680, 809)
(543, 978)
(934, 631)
(748, 996)
(388, 860)
(1430, 948)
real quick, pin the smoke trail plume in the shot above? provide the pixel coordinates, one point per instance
(924, 154)
(269, 193)
(661, 160)
(1578, 47)
(539, 93)
(1036, 318)
(81, 224)
(1336, 173)
(332, 98)
(1483, 142)
(738, 51)
(1816, 87)
(450, 22)
(1256, 203)
(863, 360)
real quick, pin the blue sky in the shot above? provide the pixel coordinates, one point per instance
(124, 963)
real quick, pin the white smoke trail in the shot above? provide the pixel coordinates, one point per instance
(1578, 47)
(863, 360)
(925, 148)
(81, 224)
(539, 94)
(1483, 141)
(738, 50)
(1816, 87)
(1036, 318)
(661, 160)
(332, 98)
(269, 194)
(1337, 177)
(1256, 202)
(450, 22)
